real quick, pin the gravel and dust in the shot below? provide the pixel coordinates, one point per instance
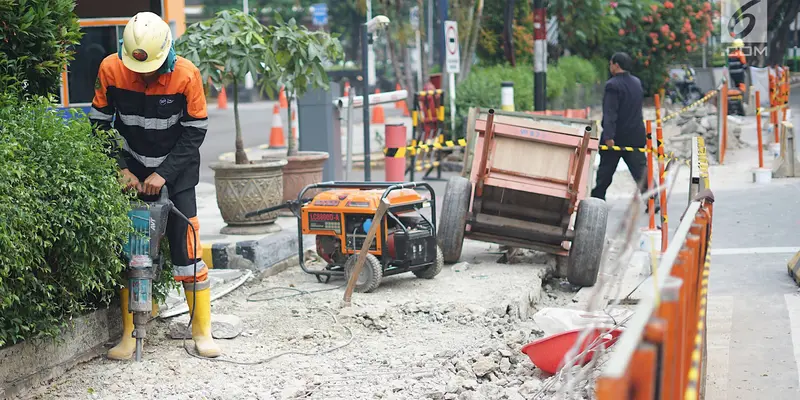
(457, 336)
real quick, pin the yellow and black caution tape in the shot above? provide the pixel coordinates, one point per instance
(625, 148)
(400, 152)
(427, 165)
(674, 115)
(761, 110)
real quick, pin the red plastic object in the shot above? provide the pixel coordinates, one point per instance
(548, 353)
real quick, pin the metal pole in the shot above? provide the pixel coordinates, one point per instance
(705, 50)
(248, 79)
(539, 56)
(365, 71)
(371, 81)
(349, 166)
(443, 47)
(419, 59)
(430, 33)
(452, 106)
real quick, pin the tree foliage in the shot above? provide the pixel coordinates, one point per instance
(654, 33)
(35, 36)
(299, 61)
(63, 219)
(225, 49)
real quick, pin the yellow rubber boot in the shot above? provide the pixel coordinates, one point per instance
(127, 344)
(199, 302)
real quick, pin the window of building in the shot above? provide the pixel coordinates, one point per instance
(96, 44)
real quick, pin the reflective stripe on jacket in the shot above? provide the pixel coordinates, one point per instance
(161, 124)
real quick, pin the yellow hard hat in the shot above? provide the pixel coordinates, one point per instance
(738, 43)
(145, 43)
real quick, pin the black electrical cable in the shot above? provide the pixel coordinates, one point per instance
(273, 357)
(194, 280)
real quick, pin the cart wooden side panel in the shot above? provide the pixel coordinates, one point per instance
(531, 183)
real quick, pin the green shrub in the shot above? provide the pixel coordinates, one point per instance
(63, 219)
(556, 83)
(35, 36)
(578, 70)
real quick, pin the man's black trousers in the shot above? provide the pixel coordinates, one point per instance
(637, 165)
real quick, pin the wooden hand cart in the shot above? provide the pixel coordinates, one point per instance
(527, 178)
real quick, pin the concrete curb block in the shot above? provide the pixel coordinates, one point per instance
(29, 364)
(258, 255)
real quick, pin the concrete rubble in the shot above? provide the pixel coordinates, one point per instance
(457, 336)
(701, 121)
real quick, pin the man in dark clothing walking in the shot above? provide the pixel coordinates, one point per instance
(622, 126)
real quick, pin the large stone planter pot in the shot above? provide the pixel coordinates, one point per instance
(301, 170)
(248, 187)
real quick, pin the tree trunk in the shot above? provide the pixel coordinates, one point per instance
(241, 156)
(423, 39)
(468, 23)
(466, 66)
(777, 46)
(292, 148)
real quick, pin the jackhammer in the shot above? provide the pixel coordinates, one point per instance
(144, 260)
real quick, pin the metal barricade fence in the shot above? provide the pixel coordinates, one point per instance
(661, 355)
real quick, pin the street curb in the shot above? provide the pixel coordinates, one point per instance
(259, 256)
(30, 364)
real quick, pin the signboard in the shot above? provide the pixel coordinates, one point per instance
(452, 59)
(414, 17)
(319, 13)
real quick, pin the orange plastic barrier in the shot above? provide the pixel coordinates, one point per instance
(661, 355)
(581, 113)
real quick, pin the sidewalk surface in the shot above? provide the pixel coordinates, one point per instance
(753, 305)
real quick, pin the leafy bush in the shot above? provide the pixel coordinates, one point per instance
(482, 87)
(63, 219)
(557, 83)
(578, 70)
(34, 41)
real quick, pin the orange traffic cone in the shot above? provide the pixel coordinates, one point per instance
(282, 98)
(276, 140)
(346, 88)
(401, 104)
(222, 100)
(378, 115)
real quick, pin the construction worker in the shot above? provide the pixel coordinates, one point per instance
(161, 117)
(737, 64)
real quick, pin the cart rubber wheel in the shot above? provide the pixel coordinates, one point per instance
(587, 247)
(433, 269)
(370, 276)
(453, 219)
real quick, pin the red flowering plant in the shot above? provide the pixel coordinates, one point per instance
(662, 34)
(655, 33)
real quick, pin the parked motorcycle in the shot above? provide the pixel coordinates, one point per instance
(682, 88)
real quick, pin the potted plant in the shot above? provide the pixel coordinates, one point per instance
(225, 49)
(299, 56)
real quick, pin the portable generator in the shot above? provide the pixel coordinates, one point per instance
(143, 257)
(341, 215)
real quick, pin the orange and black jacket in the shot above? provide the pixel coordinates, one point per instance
(161, 124)
(737, 63)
